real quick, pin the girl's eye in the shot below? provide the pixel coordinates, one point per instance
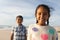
(39, 13)
(44, 13)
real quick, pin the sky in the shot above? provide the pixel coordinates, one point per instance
(9, 9)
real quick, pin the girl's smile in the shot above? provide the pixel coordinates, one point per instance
(42, 15)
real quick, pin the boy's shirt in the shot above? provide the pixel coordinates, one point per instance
(36, 32)
(19, 33)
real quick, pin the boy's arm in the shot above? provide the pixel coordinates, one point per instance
(11, 38)
(26, 36)
(12, 34)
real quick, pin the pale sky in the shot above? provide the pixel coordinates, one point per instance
(9, 9)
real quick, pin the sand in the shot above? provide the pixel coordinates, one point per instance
(6, 33)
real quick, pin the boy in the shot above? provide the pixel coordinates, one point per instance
(19, 32)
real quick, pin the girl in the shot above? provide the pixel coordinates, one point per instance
(41, 30)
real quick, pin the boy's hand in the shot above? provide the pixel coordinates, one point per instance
(12, 36)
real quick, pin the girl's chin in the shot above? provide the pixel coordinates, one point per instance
(41, 21)
(42, 24)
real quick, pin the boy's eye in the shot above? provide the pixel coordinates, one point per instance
(20, 19)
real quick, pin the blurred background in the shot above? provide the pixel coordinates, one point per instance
(9, 9)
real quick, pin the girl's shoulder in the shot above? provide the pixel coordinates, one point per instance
(31, 26)
(52, 29)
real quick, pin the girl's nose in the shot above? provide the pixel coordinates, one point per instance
(42, 16)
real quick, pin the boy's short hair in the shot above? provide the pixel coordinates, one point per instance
(19, 16)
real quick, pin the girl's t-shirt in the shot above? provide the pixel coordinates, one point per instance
(36, 32)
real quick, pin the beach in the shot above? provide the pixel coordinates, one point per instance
(6, 33)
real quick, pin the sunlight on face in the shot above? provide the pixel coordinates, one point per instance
(42, 15)
(19, 20)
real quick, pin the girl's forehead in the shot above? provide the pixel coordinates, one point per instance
(42, 9)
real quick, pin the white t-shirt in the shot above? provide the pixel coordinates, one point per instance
(36, 32)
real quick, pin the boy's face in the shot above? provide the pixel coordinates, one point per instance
(19, 20)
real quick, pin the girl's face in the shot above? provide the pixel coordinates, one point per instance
(42, 15)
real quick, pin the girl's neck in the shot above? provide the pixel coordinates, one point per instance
(41, 24)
